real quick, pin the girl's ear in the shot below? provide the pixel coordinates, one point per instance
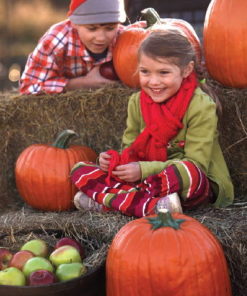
(188, 69)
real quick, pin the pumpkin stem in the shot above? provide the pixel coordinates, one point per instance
(151, 16)
(164, 219)
(63, 139)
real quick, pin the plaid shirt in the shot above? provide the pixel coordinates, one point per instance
(58, 57)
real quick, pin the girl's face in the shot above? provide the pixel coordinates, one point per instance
(160, 78)
(97, 38)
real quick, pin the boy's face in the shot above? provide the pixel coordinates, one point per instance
(97, 37)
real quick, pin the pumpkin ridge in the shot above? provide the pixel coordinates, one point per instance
(218, 260)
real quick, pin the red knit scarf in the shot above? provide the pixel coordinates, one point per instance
(163, 122)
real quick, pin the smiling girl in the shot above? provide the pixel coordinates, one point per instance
(171, 157)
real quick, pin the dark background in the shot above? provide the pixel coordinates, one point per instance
(23, 22)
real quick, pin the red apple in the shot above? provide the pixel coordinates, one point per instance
(41, 277)
(107, 70)
(67, 241)
(20, 258)
(5, 257)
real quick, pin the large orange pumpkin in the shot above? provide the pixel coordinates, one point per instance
(42, 173)
(225, 42)
(125, 51)
(166, 255)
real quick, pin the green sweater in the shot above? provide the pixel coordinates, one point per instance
(201, 146)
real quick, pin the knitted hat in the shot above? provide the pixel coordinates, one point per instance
(96, 11)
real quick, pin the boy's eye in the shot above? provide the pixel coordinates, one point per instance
(143, 71)
(164, 72)
(91, 28)
(110, 28)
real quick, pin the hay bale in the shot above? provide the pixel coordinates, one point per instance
(233, 133)
(229, 226)
(99, 116)
(96, 231)
(93, 230)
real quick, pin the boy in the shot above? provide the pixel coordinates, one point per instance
(69, 54)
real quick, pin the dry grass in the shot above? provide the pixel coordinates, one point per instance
(96, 231)
(99, 118)
(233, 133)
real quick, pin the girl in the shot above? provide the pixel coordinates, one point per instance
(170, 144)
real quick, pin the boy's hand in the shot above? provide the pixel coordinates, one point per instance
(93, 79)
(104, 161)
(130, 172)
(97, 79)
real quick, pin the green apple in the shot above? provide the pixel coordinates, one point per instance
(37, 246)
(37, 263)
(70, 271)
(65, 254)
(12, 276)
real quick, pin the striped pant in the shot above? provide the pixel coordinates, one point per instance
(140, 199)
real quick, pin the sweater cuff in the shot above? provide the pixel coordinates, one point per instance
(149, 168)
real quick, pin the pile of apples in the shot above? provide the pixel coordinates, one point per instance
(32, 265)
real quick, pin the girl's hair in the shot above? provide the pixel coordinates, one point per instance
(170, 45)
(173, 45)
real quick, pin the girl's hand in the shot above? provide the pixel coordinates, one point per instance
(104, 161)
(130, 172)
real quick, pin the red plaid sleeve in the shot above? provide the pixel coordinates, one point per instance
(42, 72)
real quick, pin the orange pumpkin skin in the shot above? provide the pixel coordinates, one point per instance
(186, 29)
(125, 57)
(225, 42)
(42, 175)
(188, 261)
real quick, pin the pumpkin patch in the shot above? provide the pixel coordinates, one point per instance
(42, 173)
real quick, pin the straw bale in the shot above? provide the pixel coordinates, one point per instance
(233, 133)
(96, 231)
(93, 230)
(99, 116)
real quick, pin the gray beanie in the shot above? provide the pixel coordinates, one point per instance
(84, 12)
